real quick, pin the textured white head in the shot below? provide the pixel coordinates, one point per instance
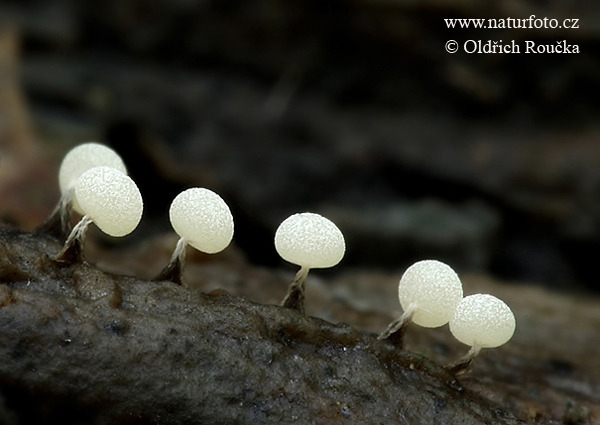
(482, 320)
(80, 159)
(433, 290)
(83, 157)
(310, 240)
(202, 219)
(111, 199)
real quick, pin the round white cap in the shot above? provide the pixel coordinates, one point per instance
(310, 240)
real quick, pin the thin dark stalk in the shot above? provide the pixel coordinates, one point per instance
(174, 270)
(295, 295)
(72, 252)
(58, 223)
(464, 363)
(395, 331)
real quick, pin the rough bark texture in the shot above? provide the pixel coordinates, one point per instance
(83, 346)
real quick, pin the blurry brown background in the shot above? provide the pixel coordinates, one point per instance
(352, 109)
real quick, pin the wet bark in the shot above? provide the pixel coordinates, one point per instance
(80, 345)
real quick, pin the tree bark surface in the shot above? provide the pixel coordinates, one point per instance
(80, 345)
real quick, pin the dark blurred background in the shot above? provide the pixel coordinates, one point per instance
(352, 109)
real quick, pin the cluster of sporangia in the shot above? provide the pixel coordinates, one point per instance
(94, 182)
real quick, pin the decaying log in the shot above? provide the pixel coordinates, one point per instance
(79, 345)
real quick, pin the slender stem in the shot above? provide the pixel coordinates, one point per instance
(72, 252)
(395, 331)
(174, 270)
(295, 295)
(462, 365)
(58, 223)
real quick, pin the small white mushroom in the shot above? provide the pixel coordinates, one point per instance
(203, 220)
(83, 157)
(78, 160)
(481, 321)
(108, 198)
(429, 291)
(111, 199)
(310, 241)
(432, 290)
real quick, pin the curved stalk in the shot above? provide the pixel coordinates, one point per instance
(72, 251)
(58, 223)
(295, 295)
(395, 331)
(464, 363)
(174, 270)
